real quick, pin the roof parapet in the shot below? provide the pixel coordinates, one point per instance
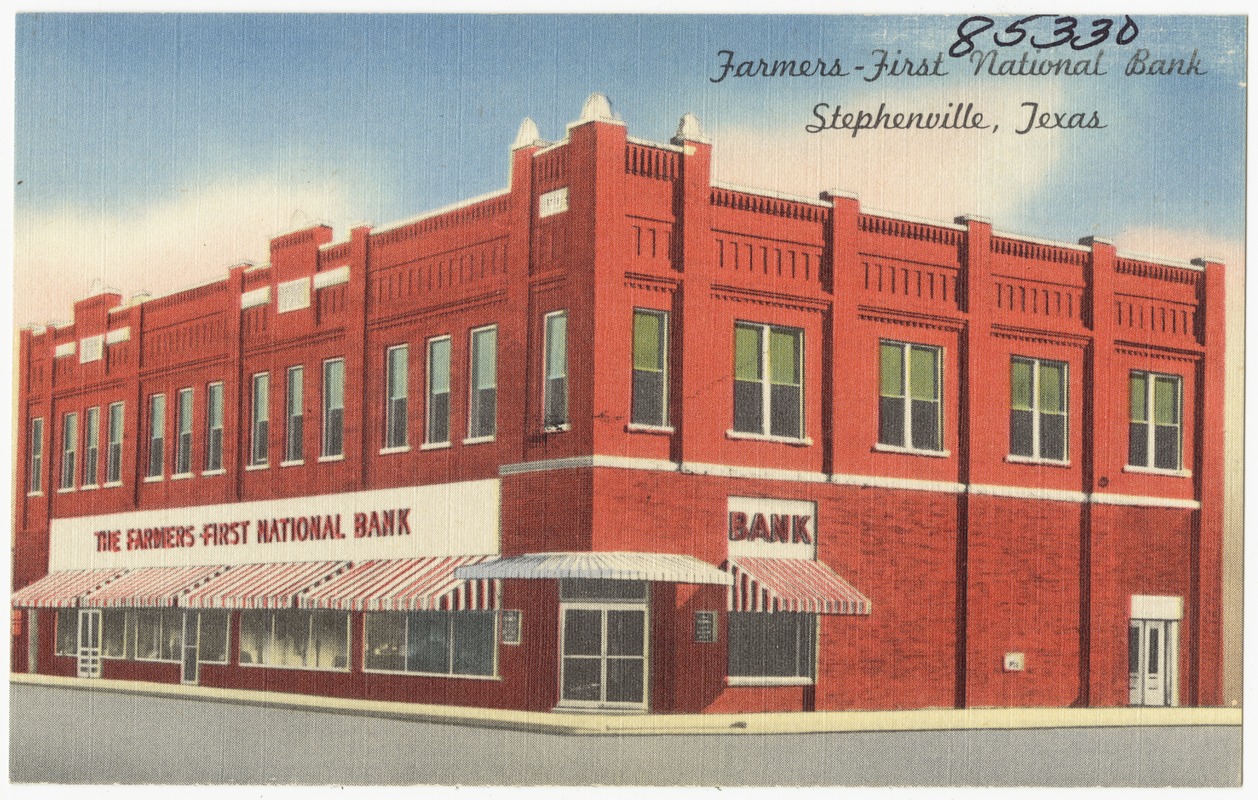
(528, 135)
(689, 130)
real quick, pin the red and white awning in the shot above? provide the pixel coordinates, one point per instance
(412, 584)
(151, 587)
(63, 589)
(789, 584)
(262, 585)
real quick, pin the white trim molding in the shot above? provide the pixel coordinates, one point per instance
(1104, 498)
(255, 297)
(118, 335)
(1028, 493)
(1146, 606)
(63, 350)
(755, 473)
(880, 482)
(332, 277)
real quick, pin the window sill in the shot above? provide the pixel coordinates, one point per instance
(480, 439)
(1170, 473)
(154, 478)
(326, 459)
(87, 487)
(65, 491)
(567, 426)
(639, 427)
(1040, 462)
(301, 462)
(434, 446)
(401, 448)
(34, 494)
(212, 472)
(754, 680)
(256, 467)
(181, 476)
(768, 437)
(113, 485)
(911, 451)
(404, 673)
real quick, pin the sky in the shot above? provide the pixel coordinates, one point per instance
(152, 151)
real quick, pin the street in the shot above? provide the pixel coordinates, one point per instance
(72, 736)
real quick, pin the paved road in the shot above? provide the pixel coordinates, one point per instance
(67, 736)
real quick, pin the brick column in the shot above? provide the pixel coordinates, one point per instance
(841, 350)
(693, 306)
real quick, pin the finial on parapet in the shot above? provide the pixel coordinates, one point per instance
(597, 108)
(689, 130)
(527, 136)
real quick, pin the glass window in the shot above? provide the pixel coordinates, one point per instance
(1037, 402)
(295, 639)
(555, 385)
(113, 456)
(212, 644)
(67, 631)
(768, 380)
(157, 434)
(483, 416)
(650, 368)
(91, 446)
(113, 639)
(214, 427)
(333, 407)
(37, 455)
(258, 452)
(778, 645)
(1154, 438)
(183, 428)
(434, 642)
(157, 633)
(910, 410)
(395, 409)
(439, 390)
(69, 448)
(294, 401)
(255, 636)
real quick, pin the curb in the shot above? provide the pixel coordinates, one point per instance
(594, 724)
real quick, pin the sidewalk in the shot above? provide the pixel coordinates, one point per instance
(577, 723)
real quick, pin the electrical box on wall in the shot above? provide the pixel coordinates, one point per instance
(1015, 662)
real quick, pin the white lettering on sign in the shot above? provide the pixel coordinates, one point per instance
(293, 295)
(451, 519)
(551, 203)
(762, 527)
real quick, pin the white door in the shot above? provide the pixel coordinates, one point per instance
(89, 642)
(191, 672)
(1152, 662)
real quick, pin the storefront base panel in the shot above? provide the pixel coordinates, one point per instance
(761, 699)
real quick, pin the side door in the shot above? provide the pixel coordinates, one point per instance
(89, 642)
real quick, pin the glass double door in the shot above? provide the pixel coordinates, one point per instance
(604, 648)
(1152, 656)
(88, 644)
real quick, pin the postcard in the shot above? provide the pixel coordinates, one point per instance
(627, 400)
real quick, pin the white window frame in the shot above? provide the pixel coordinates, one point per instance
(555, 425)
(332, 404)
(430, 441)
(450, 642)
(113, 452)
(157, 437)
(91, 448)
(294, 416)
(664, 320)
(801, 622)
(475, 436)
(35, 481)
(214, 407)
(184, 400)
(766, 386)
(392, 415)
(906, 350)
(1036, 456)
(259, 421)
(1151, 425)
(69, 450)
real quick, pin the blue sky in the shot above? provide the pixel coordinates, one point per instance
(155, 150)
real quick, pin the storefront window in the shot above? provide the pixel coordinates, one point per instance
(213, 642)
(295, 639)
(763, 645)
(255, 634)
(67, 631)
(431, 642)
(113, 642)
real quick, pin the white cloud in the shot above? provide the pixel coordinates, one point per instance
(170, 244)
(937, 174)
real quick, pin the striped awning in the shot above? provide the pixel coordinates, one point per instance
(262, 585)
(790, 584)
(151, 587)
(411, 584)
(665, 567)
(63, 589)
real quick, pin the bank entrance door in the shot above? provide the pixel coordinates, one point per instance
(89, 642)
(191, 647)
(1152, 656)
(603, 640)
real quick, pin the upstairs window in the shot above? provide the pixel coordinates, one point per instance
(650, 368)
(214, 427)
(113, 455)
(768, 380)
(333, 408)
(1154, 437)
(91, 447)
(261, 419)
(69, 448)
(439, 390)
(483, 412)
(183, 432)
(910, 412)
(1037, 409)
(36, 483)
(555, 386)
(157, 435)
(294, 414)
(395, 409)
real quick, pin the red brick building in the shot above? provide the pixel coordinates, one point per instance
(617, 436)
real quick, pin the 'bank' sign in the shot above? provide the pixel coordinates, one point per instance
(764, 528)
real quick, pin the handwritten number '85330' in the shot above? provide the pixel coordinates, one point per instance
(1065, 30)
